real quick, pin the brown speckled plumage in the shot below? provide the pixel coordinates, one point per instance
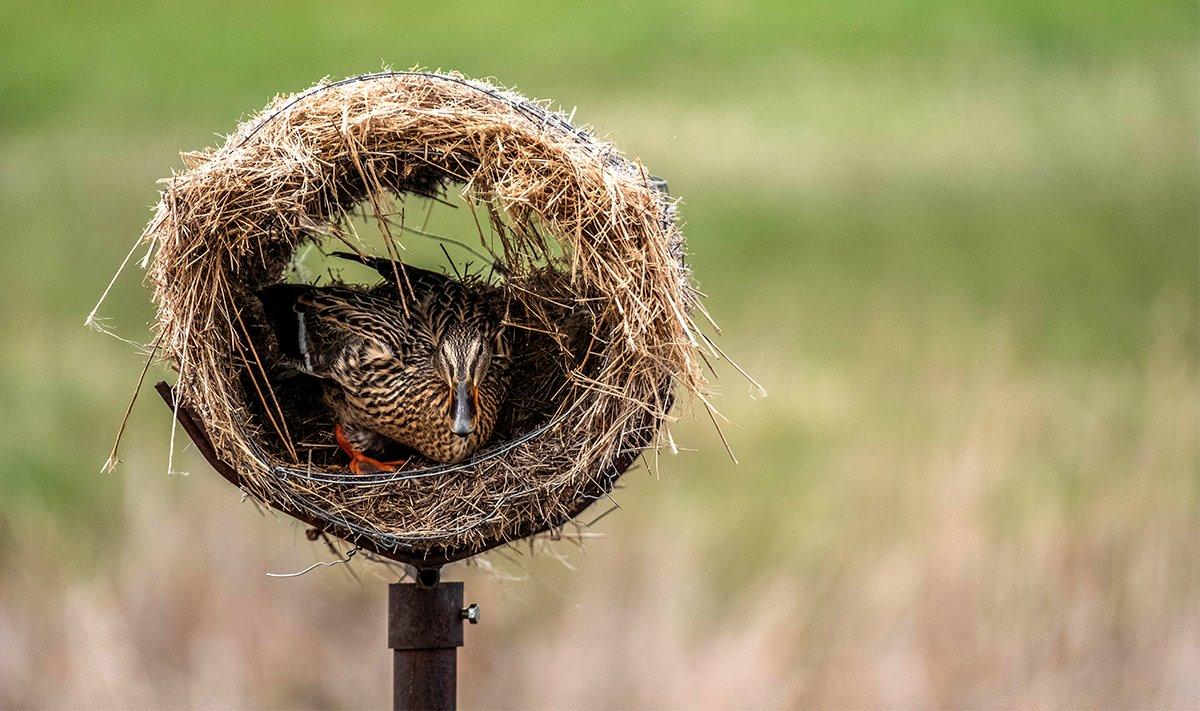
(389, 367)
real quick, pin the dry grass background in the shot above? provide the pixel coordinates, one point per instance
(950, 582)
(971, 234)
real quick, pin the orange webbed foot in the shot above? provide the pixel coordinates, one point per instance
(360, 463)
(363, 465)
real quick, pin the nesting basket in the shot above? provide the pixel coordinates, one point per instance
(588, 256)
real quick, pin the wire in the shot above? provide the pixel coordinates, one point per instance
(314, 566)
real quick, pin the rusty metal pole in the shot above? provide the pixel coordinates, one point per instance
(425, 630)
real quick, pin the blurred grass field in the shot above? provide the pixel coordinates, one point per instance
(958, 243)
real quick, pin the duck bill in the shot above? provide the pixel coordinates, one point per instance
(463, 410)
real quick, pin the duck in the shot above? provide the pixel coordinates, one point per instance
(419, 359)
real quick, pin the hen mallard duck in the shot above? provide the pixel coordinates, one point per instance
(429, 372)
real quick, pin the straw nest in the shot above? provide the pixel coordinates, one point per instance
(606, 314)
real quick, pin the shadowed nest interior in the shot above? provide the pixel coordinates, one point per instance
(587, 254)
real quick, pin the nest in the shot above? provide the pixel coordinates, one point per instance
(591, 264)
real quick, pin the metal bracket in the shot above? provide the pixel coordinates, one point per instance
(425, 630)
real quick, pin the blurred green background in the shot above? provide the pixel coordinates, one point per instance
(959, 243)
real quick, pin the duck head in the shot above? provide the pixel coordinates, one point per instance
(463, 356)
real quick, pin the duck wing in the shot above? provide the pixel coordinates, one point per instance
(423, 280)
(440, 297)
(330, 331)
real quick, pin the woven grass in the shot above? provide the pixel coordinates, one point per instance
(608, 310)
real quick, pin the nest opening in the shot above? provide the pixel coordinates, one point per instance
(581, 243)
(550, 343)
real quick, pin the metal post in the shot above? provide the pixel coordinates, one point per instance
(425, 630)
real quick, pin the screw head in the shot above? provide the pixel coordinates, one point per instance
(470, 613)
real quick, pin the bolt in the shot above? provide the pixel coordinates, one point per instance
(470, 613)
